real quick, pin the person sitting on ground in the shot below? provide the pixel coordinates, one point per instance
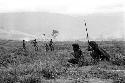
(77, 55)
(97, 52)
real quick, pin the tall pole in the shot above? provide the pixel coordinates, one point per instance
(87, 35)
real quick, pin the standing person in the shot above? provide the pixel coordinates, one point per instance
(35, 45)
(51, 45)
(24, 45)
(47, 47)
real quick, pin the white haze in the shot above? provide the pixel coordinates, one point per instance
(31, 18)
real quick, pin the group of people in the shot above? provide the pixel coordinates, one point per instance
(97, 53)
(34, 42)
(49, 46)
(35, 45)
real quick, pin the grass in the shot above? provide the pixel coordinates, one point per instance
(18, 65)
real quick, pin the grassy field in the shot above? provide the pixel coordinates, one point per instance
(30, 66)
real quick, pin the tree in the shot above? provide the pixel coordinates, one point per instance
(55, 33)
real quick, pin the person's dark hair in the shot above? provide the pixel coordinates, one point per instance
(93, 44)
(75, 46)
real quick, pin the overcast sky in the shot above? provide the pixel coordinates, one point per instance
(104, 17)
(62, 6)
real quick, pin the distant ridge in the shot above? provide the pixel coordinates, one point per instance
(30, 25)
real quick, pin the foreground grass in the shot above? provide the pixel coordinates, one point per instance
(20, 66)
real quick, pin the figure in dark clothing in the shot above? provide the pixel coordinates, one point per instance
(51, 45)
(47, 47)
(97, 52)
(24, 45)
(35, 44)
(77, 55)
(77, 51)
